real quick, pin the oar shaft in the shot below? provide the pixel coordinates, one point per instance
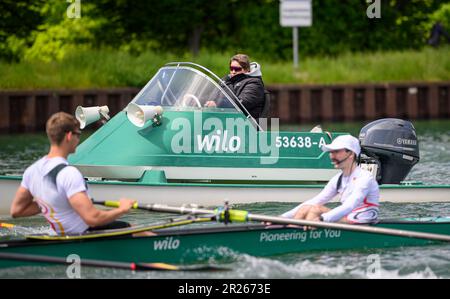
(178, 210)
(158, 208)
(241, 216)
(61, 260)
(351, 227)
(108, 264)
(236, 215)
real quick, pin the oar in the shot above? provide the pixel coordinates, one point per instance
(243, 216)
(18, 228)
(108, 264)
(7, 225)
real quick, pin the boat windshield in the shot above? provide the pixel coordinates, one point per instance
(186, 88)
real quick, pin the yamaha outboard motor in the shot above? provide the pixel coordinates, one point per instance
(392, 145)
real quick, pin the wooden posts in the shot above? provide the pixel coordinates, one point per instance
(355, 102)
(25, 111)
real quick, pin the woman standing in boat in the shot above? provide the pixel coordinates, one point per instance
(58, 191)
(246, 84)
(358, 189)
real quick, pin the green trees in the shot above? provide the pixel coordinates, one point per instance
(41, 29)
(441, 15)
(17, 20)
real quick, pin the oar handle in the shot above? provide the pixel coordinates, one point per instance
(114, 204)
(7, 225)
(233, 215)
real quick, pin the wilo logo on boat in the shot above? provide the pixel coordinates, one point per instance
(219, 142)
(224, 136)
(169, 243)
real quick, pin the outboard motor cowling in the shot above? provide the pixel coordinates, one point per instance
(393, 144)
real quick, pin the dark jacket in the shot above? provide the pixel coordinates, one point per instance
(250, 92)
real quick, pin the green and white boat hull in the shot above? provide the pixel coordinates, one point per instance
(207, 194)
(206, 243)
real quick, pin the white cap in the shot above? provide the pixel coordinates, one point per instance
(344, 141)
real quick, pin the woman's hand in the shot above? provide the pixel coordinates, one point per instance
(210, 104)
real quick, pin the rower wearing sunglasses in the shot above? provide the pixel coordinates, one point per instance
(246, 83)
(58, 191)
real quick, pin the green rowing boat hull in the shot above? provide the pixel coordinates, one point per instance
(220, 243)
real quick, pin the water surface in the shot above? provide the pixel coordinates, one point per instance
(18, 151)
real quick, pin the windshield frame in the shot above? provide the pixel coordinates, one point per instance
(210, 77)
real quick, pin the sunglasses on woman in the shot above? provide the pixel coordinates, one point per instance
(235, 68)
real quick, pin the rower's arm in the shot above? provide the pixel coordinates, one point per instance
(93, 216)
(327, 194)
(323, 197)
(23, 204)
(350, 202)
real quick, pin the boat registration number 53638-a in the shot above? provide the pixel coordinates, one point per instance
(298, 142)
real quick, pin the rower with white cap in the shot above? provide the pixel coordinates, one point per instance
(358, 190)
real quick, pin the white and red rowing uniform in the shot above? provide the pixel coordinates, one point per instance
(52, 193)
(359, 197)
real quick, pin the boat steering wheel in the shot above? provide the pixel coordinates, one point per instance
(187, 97)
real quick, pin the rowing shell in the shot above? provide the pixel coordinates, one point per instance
(214, 194)
(205, 242)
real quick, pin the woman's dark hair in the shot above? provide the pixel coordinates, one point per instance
(243, 60)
